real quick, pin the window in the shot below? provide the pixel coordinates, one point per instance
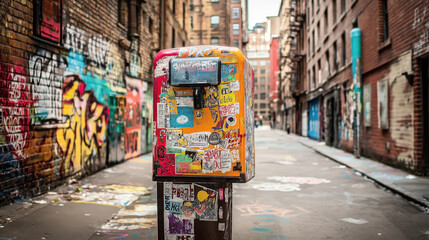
(326, 22)
(262, 63)
(314, 40)
(328, 67)
(214, 41)
(256, 88)
(385, 20)
(174, 7)
(255, 71)
(319, 71)
(173, 38)
(335, 56)
(343, 50)
(192, 22)
(254, 63)
(184, 15)
(314, 78)
(236, 28)
(256, 79)
(123, 13)
(262, 71)
(262, 79)
(191, 7)
(214, 20)
(308, 47)
(256, 96)
(256, 106)
(343, 6)
(214, 1)
(263, 105)
(263, 96)
(262, 89)
(312, 7)
(309, 79)
(318, 33)
(235, 12)
(47, 20)
(236, 43)
(334, 10)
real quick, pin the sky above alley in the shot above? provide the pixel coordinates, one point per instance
(260, 9)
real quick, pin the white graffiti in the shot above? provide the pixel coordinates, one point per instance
(75, 39)
(281, 187)
(46, 76)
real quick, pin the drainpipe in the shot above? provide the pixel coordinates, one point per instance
(356, 43)
(161, 24)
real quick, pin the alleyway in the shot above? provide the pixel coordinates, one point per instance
(296, 194)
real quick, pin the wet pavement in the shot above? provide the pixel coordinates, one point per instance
(297, 194)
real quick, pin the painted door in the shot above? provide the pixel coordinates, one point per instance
(313, 125)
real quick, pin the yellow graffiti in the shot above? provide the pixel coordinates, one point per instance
(86, 121)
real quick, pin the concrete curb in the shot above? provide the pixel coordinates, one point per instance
(395, 189)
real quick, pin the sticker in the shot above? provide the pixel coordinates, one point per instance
(174, 150)
(210, 157)
(183, 119)
(231, 109)
(228, 73)
(171, 101)
(183, 93)
(176, 208)
(226, 96)
(188, 210)
(234, 86)
(221, 227)
(231, 120)
(220, 212)
(198, 114)
(162, 113)
(221, 194)
(185, 101)
(180, 226)
(215, 138)
(189, 162)
(226, 194)
(205, 204)
(225, 161)
(167, 203)
(183, 192)
(235, 155)
(198, 139)
(173, 137)
(161, 68)
(211, 97)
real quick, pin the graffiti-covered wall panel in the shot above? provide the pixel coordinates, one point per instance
(67, 105)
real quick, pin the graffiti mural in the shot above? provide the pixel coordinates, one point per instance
(83, 142)
(133, 118)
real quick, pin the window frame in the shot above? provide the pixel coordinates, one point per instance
(214, 25)
(38, 22)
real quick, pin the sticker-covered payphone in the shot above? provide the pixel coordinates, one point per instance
(203, 138)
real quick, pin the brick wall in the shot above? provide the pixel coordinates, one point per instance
(76, 96)
(401, 143)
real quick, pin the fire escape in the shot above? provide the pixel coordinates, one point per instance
(296, 57)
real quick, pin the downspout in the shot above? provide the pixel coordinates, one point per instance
(357, 87)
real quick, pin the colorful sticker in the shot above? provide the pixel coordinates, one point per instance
(198, 139)
(183, 119)
(231, 109)
(226, 96)
(229, 72)
(189, 162)
(171, 101)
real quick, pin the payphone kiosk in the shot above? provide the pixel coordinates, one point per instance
(203, 138)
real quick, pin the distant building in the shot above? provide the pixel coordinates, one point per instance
(218, 22)
(258, 53)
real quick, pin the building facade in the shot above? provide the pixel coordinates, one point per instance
(379, 108)
(76, 87)
(258, 53)
(210, 22)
